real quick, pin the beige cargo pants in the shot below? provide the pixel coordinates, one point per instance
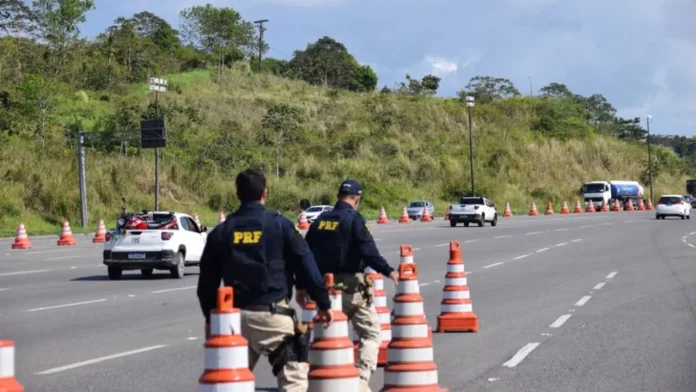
(366, 324)
(265, 331)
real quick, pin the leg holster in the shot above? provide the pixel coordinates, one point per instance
(293, 348)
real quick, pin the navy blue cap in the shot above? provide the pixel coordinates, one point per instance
(350, 187)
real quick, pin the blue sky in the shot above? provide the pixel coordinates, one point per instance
(641, 54)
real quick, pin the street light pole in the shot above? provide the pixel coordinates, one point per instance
(650, 168)
(469, 105)
(157, 85)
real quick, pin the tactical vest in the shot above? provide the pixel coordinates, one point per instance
(331, 239)
(256, 266)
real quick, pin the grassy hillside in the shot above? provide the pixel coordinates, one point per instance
(399, 147)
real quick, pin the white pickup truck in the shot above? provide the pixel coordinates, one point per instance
(170, 241)
(473, 209)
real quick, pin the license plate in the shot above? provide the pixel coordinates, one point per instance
(136, 255)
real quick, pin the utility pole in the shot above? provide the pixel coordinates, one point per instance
(83, 181)
(157, 85)
(650, 169)
(469, 105)
(531, 91)
(261, 30)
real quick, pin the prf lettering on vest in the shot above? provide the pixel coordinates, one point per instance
(328, 225)
(246, 237)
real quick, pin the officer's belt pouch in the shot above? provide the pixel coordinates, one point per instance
(292, 349)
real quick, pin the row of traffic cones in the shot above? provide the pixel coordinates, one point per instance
(590, 208)
(66, 236)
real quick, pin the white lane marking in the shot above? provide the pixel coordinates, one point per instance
(577, 240)
(175, 289)
(564, 229)
(560, 321)
(583, 300)
(415, 249)
(599, 286)
(423, 284)
(67, 305)
(521, 355)
(192, 338)
(23, 272)
(609, 223)
(503, 236)
(469, 241)
(4, 289)
(571, 310)
(542, 250)
(562, 244)
(68, 257)
(586, 226)
(545, 334)
(612, 275)
(533, 232)
(491, 379)
(629, 221)
(522, 257)
(691, 245)
(48, 251)
(97, 360)
(494, 264)
(441, 245)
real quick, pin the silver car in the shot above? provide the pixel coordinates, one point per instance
(415, 209)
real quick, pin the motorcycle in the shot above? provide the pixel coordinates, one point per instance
(142, 220)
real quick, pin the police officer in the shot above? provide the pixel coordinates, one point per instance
(342, 245)
(260, 254)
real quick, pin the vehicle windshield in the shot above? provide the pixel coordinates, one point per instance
(315, 209)
(669, 200)
(471, 201)
(416, 204)
(593, 188)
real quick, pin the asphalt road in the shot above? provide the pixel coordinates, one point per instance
(591, 302)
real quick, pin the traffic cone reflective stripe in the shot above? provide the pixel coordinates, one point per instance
(303, 223)
(66, 236)
(21, 239)
(649, 206)
(8, 382)
(426, 215)
(100, 235)
(578, 207)
(590, 206)
(629, 207)
(406, 252)
(226, 351)
(564, 208)
(549, 208)
(382, 217)
(308, 314)
(332, 366)
(641, 205)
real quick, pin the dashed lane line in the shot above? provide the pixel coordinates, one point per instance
(612, 275)
(542, 250)
(583, 300)
(599, 286)
(522, 256)
(174, 289)
(560, 321)
(23, 272)
(101, 359)
(521, 355)
(493, 265)
(67, 305)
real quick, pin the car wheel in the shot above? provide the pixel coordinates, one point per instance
(483, 219)
(453, 223)
(466, 224)
(494, 222)
(115, 273)
(657, 217)
(178, 270)
(147, 272)
(683, 217)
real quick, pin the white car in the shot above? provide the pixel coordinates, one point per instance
(179, 243)
(415, 209)
(473, 209)
(672, 205)
(314, 211)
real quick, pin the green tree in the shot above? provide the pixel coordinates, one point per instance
(428, 85)
(17, 21)
(556, 90)
(161, 33)
(218, 31)
(628, 129)
(601, 111)
(363, 78)
(487, 88)
(281, 124)
(37, 97)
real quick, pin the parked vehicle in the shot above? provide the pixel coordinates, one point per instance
(599, 192)
(313, 212)
(672, 205)
(415, 209)
(473, 209)
(157, 240)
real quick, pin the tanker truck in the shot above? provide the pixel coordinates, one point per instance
(599, 192)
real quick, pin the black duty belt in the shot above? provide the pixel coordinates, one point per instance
(273, 308)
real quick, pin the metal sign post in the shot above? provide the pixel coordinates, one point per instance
(153, 134)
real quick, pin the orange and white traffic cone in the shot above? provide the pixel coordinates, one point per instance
(221, 218)
(383, 220)
(410, 365)
(380, 304)
(641, 205)
(549, 209)
(629, 207)
(21, 239)
(578, 207)
(8, 382)
(426, 215)
(332, 366)
(447, 211)
(564, 208)
(456, 313)
(616, 207)
(508, 211)
(533, 211)
(66, 236)
(590, 206)
(303, 223)
(226, 350)
(605, 206)
(100, 235)
(649, 207)
(196, 219)
(406, 254)
(308, 314)
(404, 216)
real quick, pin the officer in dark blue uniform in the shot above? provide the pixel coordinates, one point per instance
(261, 254)
(342, 245)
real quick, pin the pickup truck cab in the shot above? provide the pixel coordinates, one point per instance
(473, 209)
(170, 242)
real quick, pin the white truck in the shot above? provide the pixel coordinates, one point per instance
(473, 210)
(599, 192)
(169, 241)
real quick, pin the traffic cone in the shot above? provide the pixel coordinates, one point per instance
(410, 366)
(426, 215)
(21, 239)
(649, 207)
(383, 220)
(629, 207)
(605, 206)
(380, 304)
(303, 223)
(447, 212)
(406, 252)
(641, 205)
(100, 235)
(226, 350)
(332, 366)
(549, 208)
(578, 207)
(196, 219)
(456, 313)
(564, 208)
(308, 314)
(616, 207)
(221, 218)
(66, 236)
(508, 212)
(404, 216)
(533, 211)
(590, 206)
(8, 382)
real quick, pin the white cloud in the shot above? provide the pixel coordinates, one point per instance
(441, 66)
